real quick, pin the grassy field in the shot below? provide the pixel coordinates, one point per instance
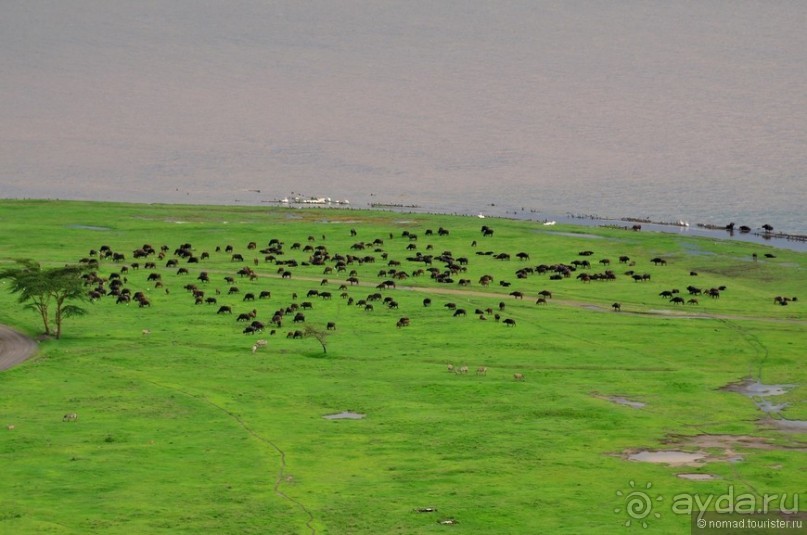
(187, 429)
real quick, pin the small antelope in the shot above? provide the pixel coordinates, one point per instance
(464, 369)
(254, 348)
(450, 367)
(518, 376)
(11, 427)
(146, 331)
(482, 370)
(70, 417)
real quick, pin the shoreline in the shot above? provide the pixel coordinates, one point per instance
(776, 239)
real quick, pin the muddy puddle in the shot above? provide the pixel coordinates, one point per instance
(752, 388)
(88, 227)
(710, 448)
(758, 392)
(698, 477)
(345, 415)
(620, 400)
(790, 426)
(673, 458)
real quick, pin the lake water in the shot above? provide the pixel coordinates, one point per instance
(693, 111)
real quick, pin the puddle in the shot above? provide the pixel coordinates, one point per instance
(751, 388)
(727, 443)
(345, 415)
(87, 227)
(771, 408)
(698, 477)
(627, 402)
(792, 426)
(757, 391)
(673, 458)
(724, 442)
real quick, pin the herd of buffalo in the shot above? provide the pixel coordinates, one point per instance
(280, 262)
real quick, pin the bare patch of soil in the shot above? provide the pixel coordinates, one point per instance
(345, 415)
(15, 347)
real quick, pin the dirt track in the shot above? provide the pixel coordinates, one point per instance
(14, 347)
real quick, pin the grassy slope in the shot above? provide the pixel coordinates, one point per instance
(183, 430)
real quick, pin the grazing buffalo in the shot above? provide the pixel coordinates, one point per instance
(427, 302)
(299, 317)
(517, 295)
(331, 326)
(249, 297)
(540, 301)
(225, 310)
(677, 300)
(459, 312)
(233, 290)
(403, 322)
(545, 293)
(692, 301)
(450, 306)
(237, 258)
(658, 261)
(510, 322)
(617, 307)
(211, 301)
(265, 294)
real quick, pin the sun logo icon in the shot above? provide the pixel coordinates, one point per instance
(638, 505)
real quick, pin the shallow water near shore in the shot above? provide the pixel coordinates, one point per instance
(537, 110)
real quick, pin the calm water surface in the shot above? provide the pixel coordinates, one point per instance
(693, 111)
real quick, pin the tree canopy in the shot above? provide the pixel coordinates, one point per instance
(47, 291)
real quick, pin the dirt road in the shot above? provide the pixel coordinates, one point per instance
(14, 347)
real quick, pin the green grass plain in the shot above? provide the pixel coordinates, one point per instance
(186, 430)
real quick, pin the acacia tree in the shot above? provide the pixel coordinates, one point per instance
(320, 335)
(39, 288)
